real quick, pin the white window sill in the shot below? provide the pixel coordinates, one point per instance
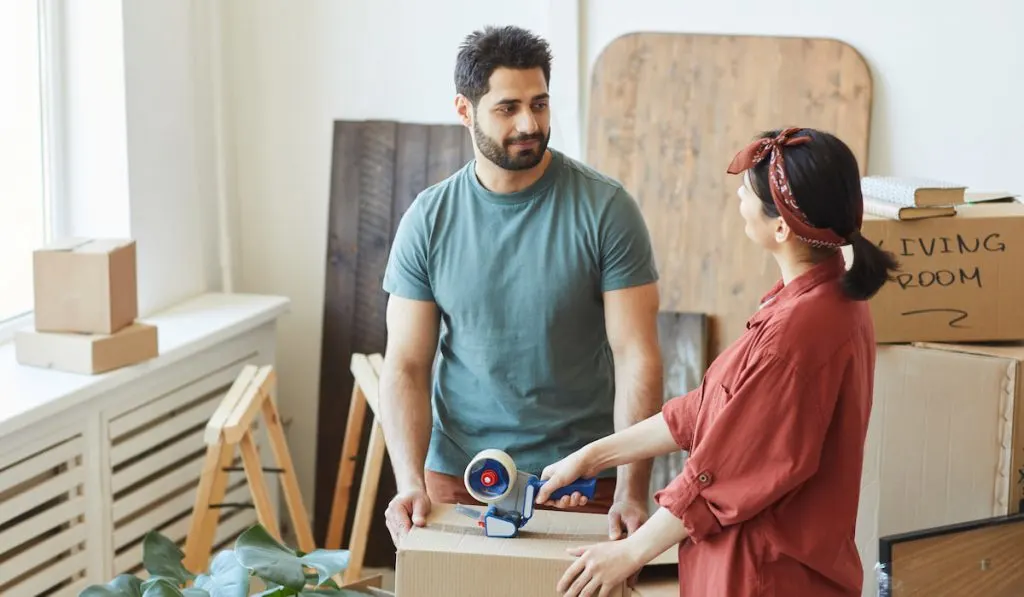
(32, 394)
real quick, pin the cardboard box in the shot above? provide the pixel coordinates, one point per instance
(450, 557)
(961, 280)
(945, 442)
(666, 587)
(85, 285)
(86, 353)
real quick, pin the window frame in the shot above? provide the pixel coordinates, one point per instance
(51, 65)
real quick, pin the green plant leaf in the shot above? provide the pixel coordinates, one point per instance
(195, 592)
(278, 592)
(256, 550)
(160, 587)
(227, 578)
(327, 562)
(162, 558)
(123, 585)
(331, 593)
(313, 581)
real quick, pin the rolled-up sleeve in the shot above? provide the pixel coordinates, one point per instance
(765, 441)
(680, 414)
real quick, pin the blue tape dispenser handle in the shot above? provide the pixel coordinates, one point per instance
(585, 487)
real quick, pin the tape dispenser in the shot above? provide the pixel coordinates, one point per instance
(492, 478)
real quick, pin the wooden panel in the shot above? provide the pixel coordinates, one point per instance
(59, 574)
(189, 419)
(667, 114)
(683, 340)
(377, 170)
(168, 404)
(30, 467)
(983, 557)
(43, 533)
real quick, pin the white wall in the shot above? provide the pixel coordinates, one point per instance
(138, 137)
(290, 72)
(171, 150)
(947, 75)
(92, 122)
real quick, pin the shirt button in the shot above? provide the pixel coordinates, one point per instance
(704, 478)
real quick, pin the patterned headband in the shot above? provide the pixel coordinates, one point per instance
(782, 195)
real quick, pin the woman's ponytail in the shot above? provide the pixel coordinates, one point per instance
(871, 268)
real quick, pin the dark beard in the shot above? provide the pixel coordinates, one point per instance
(499, 154)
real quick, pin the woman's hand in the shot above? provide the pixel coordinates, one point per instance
(562, 473)
(599, 569)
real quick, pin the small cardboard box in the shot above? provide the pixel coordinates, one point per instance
(85, 285)
(960, 279)
(945, 442)
(86, 353)
(451, 557)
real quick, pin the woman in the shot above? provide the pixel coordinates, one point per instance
(767, 502)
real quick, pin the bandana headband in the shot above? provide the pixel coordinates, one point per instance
(782, 195)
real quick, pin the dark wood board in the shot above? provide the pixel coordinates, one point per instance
(980, 557)
(377, 169)
(683, 340)
(667, 113)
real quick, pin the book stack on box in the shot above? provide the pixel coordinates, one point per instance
(901, 198)
(85, 309)
(908, 198)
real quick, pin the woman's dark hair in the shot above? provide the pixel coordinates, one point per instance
(825, 181)
(485, 50)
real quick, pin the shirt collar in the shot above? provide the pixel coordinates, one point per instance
(828, 270)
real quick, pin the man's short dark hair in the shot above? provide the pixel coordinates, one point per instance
(484, 51)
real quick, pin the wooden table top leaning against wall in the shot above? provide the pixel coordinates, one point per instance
(667, 113)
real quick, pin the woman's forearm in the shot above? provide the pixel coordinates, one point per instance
(656, 536)
(647, 439)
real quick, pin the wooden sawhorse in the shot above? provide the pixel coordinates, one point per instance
(366, 371)
(229, 427)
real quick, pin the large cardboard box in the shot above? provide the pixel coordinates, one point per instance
(85, 285)
(945, 442)
(86, 353)
(451, 557)
(961, 279)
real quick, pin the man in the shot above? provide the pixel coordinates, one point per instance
(542, 272)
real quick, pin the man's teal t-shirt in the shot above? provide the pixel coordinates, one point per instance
(524, 363)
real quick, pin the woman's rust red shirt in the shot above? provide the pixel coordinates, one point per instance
(776, 437)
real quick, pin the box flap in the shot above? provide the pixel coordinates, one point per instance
(546, 536)
(104, 245)
(66, 244)
(87, 245)
(987, 209)
(1008, 350)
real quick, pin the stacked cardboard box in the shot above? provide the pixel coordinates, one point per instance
(946, 438)
(85, 309)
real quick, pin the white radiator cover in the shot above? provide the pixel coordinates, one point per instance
(80, 489)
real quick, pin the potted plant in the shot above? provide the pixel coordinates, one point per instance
(283, 571)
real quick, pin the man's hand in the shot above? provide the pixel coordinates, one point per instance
(625, 517)
(599, 569)
(404, 510)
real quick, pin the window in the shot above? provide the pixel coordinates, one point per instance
(25, 130)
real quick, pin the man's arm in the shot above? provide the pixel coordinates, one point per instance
(405, 387)
(631, 319)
